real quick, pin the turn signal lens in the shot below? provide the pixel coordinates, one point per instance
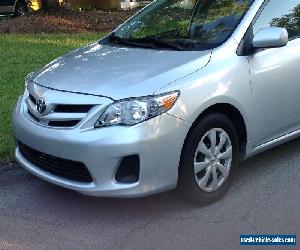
(169, 101)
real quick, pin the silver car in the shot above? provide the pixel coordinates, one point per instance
(177, 95)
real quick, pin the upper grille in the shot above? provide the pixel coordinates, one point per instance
(61, 115)
(32, 99)
(73, 108)
(32, 116)
(68, 169)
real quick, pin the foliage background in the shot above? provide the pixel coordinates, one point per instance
(22, 54)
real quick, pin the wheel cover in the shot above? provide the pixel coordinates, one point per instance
(212, 161)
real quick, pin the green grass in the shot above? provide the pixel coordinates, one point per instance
(20, 55)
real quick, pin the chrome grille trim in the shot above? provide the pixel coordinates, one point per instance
(32, 99)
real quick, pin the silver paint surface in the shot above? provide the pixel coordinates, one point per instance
(263, 87)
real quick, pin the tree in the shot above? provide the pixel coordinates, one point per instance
(290, 21)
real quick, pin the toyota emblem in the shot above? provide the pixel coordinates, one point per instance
(41, 105)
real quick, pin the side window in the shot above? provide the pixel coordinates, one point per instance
(283, 14)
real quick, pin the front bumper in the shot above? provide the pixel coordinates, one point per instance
(158, 142)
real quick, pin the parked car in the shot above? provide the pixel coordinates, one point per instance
(177, 95)
(13, 7)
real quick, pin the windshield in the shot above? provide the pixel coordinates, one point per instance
(182, 24)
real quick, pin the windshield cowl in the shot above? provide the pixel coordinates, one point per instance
(146, 42)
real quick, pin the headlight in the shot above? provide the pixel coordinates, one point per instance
(133, 111)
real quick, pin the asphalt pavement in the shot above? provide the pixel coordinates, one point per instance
(264, 199)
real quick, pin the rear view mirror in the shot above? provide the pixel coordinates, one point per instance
(271, 37)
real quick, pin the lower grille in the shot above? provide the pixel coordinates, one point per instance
(68, 169)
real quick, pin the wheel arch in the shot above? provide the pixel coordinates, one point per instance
(234, 114)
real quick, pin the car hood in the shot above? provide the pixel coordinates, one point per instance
(118, 72)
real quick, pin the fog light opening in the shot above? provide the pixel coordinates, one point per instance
(129, 169)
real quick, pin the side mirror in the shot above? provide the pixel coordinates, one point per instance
(272, 37)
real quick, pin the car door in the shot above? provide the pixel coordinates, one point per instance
(7, 6)
(275, 74)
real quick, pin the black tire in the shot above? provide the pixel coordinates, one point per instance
(187, 184)
(21, 8)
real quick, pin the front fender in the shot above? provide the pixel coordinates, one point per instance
(225, 80)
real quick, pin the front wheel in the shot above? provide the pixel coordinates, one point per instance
(209, 159)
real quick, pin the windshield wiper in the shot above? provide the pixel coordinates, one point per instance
(125, 41)
(147, 42)
(158, 43)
